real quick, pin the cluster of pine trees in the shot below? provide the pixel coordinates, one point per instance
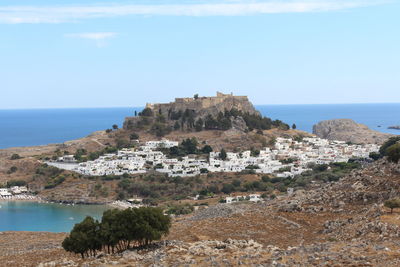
(189, 120)
(117, 231)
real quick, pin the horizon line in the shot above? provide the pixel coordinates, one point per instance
(134, 107)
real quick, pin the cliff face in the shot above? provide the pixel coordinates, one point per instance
(349, 131)
(202, 106)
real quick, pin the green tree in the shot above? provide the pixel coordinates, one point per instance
(210, 123)
(189, 145)
(160, 129)
(374, 155)
(265, 178)
(320, 167)
(177, 126)
(392, 204)
(84, 238)
(294, 126)
(254, 152)
(134, 136)
(12, 170)
(110, 230)
(80, 152)
(206, 149)
(122, 143)
(147, 112)
(196, 96)
(153, 224)
(393, 153)
(222, 154)
(117, 231)
(115, 127)
(199, 125)
(236, 183)
(15, 156)
(15, 183)
(228, 188)
(391, 141)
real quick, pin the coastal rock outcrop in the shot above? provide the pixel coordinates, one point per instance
(349, 131)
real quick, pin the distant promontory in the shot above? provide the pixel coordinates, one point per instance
(349, 131)
(396, 127)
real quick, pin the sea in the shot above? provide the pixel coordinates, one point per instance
(31, 127)
(48, 217)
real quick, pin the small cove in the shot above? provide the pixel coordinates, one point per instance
(49, 217)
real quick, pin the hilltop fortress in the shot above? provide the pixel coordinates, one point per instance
(199, 106)
(205, 105)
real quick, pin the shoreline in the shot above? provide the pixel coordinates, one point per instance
(118, 204)
(22, 198)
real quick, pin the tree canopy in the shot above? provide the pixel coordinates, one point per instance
(117, 231)
(392, 204)
(391, 141)
(393, 153)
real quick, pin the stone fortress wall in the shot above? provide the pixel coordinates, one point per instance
(205, 105)
(202, 106)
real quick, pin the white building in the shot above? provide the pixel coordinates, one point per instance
(287, 159)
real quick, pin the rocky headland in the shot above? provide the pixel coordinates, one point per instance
(349, 131)
(196, 108)
(396, 127)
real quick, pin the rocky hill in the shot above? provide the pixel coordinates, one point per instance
(204, 106)
(200, 106)
(349, 131)
(340, 224)
(222, 112)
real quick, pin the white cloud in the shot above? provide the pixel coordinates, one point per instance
(92, 35)
(70, 13)
(99, 37)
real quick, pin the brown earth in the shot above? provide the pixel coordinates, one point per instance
(339, 224)
(30, 248)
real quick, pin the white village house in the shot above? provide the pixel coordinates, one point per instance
(286, 159)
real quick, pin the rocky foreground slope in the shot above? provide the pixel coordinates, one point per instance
(349, 131)
(340, 224)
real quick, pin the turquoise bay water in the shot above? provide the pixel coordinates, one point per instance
(49, 217)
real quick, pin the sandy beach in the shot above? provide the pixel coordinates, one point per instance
(22, 197)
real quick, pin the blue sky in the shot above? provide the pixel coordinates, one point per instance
(125, 53)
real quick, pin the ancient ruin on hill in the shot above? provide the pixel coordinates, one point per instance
(184, 113)
(205, 105)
